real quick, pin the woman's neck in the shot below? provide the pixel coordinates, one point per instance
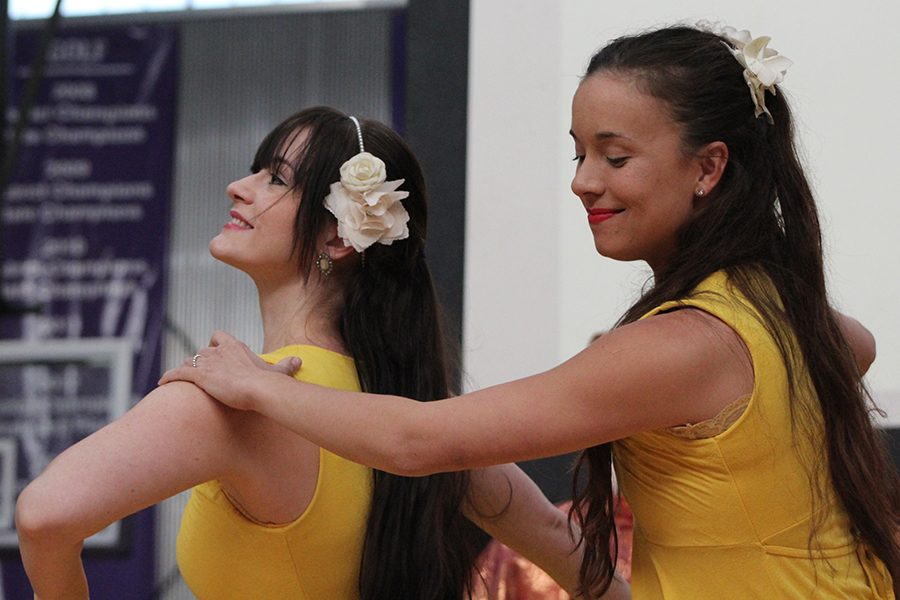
(299, 313)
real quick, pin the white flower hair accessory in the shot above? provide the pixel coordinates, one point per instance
(367, 208)
(763, 66)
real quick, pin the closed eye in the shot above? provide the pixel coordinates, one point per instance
(617, 161)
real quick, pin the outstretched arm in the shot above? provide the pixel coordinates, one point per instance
(173, 439)
(602, 394)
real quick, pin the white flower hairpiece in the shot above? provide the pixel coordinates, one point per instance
(367, 208)
(763, 66)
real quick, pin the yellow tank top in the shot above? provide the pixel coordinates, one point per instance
(223, 555)
(728, 517)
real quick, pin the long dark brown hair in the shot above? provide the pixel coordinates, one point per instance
(417, 544)
(760, 223)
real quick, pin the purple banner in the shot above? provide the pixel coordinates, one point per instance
(85, 228)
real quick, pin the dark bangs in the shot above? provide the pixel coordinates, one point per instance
(330, 141)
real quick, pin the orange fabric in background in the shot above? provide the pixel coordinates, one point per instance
(508, 576)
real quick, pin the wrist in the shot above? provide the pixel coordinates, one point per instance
(262, 389)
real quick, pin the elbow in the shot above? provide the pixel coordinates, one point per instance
(869, 356)
(416, 443)
(414, 454)
(860, 341)
(41, 517)
(408, 457)
(863, 346)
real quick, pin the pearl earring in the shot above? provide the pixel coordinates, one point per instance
(700, 192)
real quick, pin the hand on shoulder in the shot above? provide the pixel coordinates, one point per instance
(229, 371)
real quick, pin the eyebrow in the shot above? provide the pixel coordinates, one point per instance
(279, 161)
(604, 135)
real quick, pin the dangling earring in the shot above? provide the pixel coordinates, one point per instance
(324, 264)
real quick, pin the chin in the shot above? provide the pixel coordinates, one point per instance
(218, 249)
(614, 253)
(605, 249)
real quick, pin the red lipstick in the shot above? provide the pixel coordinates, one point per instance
(598, 215)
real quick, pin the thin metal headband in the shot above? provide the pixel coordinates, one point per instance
(358, 133)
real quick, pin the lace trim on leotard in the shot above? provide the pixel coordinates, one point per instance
(715, 425)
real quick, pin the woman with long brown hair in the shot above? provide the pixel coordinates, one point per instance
(330, 224)
(729, 397)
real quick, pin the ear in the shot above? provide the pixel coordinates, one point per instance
(712, 159)
(334, 245)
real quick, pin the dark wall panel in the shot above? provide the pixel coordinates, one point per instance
(437, 76)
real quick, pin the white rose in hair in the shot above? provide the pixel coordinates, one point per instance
(366, 218)
(363, 172)
(738, 38)
(764, 68)
(763, 62)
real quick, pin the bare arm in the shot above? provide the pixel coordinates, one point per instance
(509, 506)
(861, 341)
(173, 439)
(602, 394)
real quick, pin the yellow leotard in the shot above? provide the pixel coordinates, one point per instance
(728, 517)
(224, 555)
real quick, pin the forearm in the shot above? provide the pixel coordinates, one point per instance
(54, 568)
(171, 440)
(504, 423)
(316, 413)
(507, 504)
(51, 545)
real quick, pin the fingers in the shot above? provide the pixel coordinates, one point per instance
(188, 370)
(222, 345)
(288, 366)
(195, 360)
(183, 373)
(220, 338)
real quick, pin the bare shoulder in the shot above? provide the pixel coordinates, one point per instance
(677, 367)
(185, 398)
(184, 412)
(185, 406)
(687, 337)
(705, 334)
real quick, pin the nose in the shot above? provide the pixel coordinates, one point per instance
(588, 181)
(239, 191)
